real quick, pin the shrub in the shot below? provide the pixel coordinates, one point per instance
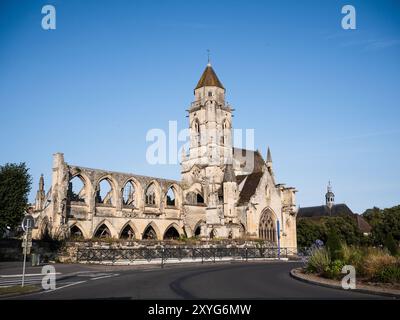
(318, 261)
(334, 270)
(334, 246)
(351, 255)
(388, 274)
(391, 245)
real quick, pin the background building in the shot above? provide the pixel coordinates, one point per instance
(330, 209)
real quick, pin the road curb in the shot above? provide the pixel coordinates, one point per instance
(298, 275)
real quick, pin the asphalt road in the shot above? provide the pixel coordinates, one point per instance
(261, 280)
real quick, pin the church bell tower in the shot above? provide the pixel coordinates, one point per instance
(211, 152)
(210, 125)
(329, 196)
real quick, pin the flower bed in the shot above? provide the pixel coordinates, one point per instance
(372, 265)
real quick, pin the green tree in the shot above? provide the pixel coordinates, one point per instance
(373, 216)
(383, 222)
(345, 227)
(391, 245)
(15, 184)
(308, 231)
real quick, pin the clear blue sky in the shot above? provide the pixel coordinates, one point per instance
(326, 100)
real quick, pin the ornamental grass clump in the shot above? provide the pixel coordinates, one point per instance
(374, 261)
(388, 274)
(351, 255)
(319, 261)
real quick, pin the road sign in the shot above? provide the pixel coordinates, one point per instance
(28, 222)
(26, 251)
(27, 241)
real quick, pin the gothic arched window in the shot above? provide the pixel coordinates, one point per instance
(196, 128)
(151, 195)
(129, 194)
(171, 197)
(267, 228)
(76, 189)
(194, 198)
(104, 192)
(225, 132)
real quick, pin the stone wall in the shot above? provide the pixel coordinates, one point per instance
(11, 250)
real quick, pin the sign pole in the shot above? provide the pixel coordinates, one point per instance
(25, 249)
(27, 224)
(279, 239)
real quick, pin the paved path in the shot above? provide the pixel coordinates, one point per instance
(253, 280)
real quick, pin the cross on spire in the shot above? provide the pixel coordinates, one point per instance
(208, 57)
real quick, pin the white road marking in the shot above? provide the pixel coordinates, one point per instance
(93, 275)
(67, 285)
(27, 275)
(18, 281)
(107, 276)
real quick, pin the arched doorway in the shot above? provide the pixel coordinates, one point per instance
(149, 234)
(128, 233)
(171, 234)
(197, 231)
(103, 232)
(242, 230)
(76, 232)
(267, 227)
(45, 229)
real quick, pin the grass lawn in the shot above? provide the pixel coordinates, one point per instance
(17, 290)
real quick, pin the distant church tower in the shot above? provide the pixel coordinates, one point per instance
(40, 195)
(329, 196)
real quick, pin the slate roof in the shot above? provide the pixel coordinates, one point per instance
(363, 225)
(321, 211)
(249, 187)
(244, 154)
(209, 78)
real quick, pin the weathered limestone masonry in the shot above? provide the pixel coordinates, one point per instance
(224, 192)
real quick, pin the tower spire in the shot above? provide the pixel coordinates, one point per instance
(208, 58)
(269, 157)
(40, 195)
(41, 182)
(209, 79)
(329, 196)
(269, 161)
